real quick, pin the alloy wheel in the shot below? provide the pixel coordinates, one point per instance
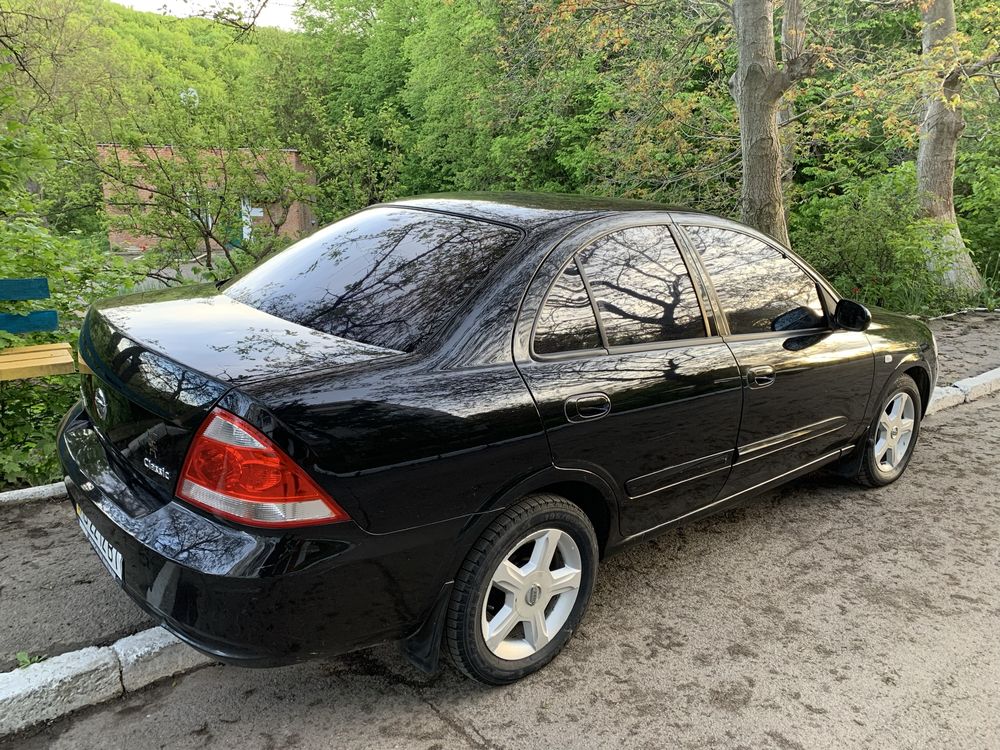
(895, 432)
(531, 594)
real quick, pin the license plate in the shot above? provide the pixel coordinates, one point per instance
(111, 557)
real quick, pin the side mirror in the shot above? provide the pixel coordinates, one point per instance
(851, 316)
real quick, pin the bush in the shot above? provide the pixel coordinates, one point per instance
(870, 241)
(977, 199)
(78, 269)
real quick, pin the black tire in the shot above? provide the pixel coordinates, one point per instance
(464, 629)
(870, 472)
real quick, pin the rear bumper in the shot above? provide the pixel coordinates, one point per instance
(255, 597)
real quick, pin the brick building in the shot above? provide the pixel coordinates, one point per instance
(121, 166)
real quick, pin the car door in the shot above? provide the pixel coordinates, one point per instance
(629, 380)
(805, 385)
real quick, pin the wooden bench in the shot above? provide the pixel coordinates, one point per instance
(21, 362)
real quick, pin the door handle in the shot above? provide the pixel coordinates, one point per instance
(760, 377)
(587, 406)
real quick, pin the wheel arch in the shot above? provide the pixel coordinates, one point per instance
(591, 501)
(922, 378)
(588, 491)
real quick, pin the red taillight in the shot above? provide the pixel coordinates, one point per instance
(234, 471)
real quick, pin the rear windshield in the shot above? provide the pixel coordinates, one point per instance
(386, 276)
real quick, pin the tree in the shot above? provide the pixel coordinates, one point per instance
(758, 86)
(195, 190)
(940, 130)
(793, 39)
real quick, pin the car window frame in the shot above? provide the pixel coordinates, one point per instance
(576, 245)
(827, 295)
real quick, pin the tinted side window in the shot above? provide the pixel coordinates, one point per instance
(759, 288)
(386, 276)
(642, 287)
(567, 321)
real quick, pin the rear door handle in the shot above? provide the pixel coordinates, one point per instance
(587, 406)
(760, 377)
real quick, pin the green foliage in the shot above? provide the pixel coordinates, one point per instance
(386, 98)
(78, 269)
(871, 243)
(24, 659)
(977, 198)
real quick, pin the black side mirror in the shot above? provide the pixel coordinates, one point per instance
(852, 316)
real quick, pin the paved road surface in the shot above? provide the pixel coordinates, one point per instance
(820, 616)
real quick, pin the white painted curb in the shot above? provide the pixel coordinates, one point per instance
(965, 390)
(60, 685)
(153, 655)
(53, 688)
(29, 494)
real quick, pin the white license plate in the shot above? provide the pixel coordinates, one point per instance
(111, 557)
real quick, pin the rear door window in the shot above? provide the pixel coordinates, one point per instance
(759, 287)
(566, 322)
(642, 287)
(391, 277)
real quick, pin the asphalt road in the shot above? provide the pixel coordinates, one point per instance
(820, 616)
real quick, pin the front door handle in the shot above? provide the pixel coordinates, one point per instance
(587, 406)
(760, 377)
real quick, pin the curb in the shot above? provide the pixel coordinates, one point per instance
(55, 491)
(965, 390)
(963, 311)
(53, 688)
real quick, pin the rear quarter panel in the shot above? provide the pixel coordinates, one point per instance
(409, 445)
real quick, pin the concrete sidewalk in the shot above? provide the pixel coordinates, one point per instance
(55, 595)
(968, 344)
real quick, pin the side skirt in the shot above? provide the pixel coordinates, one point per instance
(721, 504)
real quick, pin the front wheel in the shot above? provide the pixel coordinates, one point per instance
(892, 435)
(522, 590)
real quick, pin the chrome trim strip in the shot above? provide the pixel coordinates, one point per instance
(762, 485)
(775, 443)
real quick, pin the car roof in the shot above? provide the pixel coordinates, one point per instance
(528, 211)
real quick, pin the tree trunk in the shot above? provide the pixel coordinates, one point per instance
(793, 39)
(940, 130)
(757, 87)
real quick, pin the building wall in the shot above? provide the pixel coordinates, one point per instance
(300, 220)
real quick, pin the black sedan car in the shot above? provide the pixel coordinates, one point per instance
(429, 421)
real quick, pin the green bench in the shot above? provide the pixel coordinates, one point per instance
(19, 362)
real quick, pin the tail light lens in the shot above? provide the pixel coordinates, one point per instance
(234, 471)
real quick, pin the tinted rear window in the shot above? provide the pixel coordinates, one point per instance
(386, 276)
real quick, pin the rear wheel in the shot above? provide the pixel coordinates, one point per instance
(892, 435)
(522, 590)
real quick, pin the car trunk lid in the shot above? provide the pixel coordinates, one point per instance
(158, 362)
